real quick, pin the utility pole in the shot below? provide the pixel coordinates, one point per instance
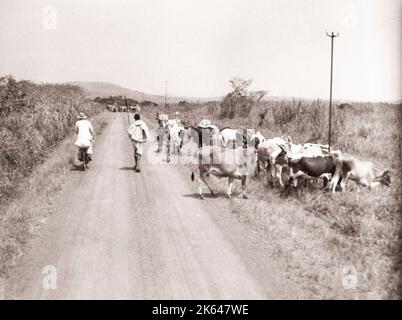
(332, 36)
(165, 96)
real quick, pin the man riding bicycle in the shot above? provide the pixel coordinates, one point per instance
(85, 135)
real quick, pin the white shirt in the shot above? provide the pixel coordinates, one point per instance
(142, 125)
(84, 129)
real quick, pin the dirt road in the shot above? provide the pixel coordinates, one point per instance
(118, 234)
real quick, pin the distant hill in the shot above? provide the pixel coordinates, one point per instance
(106, 89)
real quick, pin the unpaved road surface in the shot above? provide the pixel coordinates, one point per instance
(118, 234)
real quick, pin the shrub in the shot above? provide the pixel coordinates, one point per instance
(238, 102)
(235, 104)
(33, 119)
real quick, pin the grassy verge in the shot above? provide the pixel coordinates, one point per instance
(34, 119)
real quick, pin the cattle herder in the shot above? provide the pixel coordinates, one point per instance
(138, 132)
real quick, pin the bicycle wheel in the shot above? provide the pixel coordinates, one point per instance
(84, 159)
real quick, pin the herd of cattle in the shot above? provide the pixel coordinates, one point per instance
(116, 108)
(226, 153)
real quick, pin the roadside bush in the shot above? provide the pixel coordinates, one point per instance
(236, 104)
(240, 101)
(33, 120)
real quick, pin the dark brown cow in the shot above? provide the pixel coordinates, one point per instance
(312, 167)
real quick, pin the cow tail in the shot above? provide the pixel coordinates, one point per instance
(192, 176)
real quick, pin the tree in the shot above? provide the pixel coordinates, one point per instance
(258, 95)
(240, 100)
(240, 86)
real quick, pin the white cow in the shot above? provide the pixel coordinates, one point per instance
(234, 138)
(297, 151)
(256, 139)
(273, 153)
(362, 172)
(222, 162)
(229, 135)
(175, 136)
(206, 134)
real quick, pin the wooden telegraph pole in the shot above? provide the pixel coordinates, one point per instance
(164, 106)
(332, 36)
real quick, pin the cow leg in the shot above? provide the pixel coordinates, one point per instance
(157, 140)
(168, 149)
(344, 181)
(200, 182)
(257, 171)
(203, 177)
(333, 183)
(160, 140)
(292, 182)
(230, 187)
(279, 174)
(243, 186)
(263, 166)
(325, 182)
(272, 168)
(334, 180)
(160, 143)
(295, 177)
(299, 186)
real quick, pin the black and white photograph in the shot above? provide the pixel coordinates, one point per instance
(214, 150)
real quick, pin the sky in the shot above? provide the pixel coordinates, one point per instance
(199, 45)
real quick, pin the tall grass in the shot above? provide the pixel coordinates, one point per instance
(33, 120)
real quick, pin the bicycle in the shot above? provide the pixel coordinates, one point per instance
(83, 157)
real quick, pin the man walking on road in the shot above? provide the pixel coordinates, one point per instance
(138, 133)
